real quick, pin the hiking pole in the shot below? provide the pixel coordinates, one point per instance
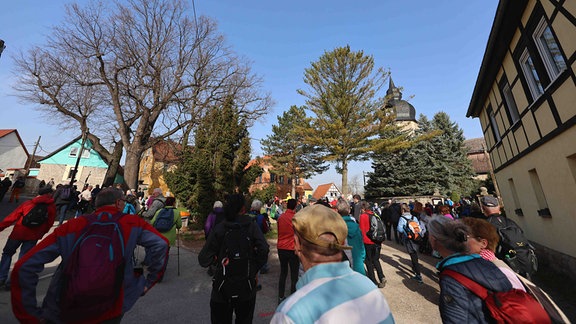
(178, 250)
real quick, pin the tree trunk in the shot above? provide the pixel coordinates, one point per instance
(113, 165)
(132, 166)
(293, 187)
(345, 178)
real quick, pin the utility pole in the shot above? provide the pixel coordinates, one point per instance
(33, 156)
(80, 152)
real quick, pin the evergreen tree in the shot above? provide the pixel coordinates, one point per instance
(287, 153)
(345, 115)
(436, 162)
(216, 166)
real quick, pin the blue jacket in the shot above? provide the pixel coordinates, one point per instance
(457, 303)
(135, 230)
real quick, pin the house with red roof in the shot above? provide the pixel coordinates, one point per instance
(13, 153)
(328, 191)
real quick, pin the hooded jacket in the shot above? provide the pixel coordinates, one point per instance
(25, 233)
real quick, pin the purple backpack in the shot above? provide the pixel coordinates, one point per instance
(93, 274)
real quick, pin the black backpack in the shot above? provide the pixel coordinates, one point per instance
(514, 248)
(37, 216)
(234, 279)
(377, 232)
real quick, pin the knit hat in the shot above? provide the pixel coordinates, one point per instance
(313, 221)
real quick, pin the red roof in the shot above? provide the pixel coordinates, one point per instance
(322, 190)
(4, 132)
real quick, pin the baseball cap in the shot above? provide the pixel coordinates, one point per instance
(315, 220)
(489, 201)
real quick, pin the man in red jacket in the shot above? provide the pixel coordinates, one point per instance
(23, 236)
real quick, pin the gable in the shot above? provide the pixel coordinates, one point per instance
(68, 154)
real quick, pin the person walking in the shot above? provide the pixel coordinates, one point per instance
(372, 248)
(458, 304)
(170, 234)
(5, 185)
(79, 300)
(22, 236)
(239, 250)
(411, 246)
(158, 201)
(17, 188)
(354, 237)
(329, 291)
(286, 254)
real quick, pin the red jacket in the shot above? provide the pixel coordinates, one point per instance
(24, 233)
(365, 226)
(286, 231)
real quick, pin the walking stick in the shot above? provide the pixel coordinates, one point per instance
(178, 250)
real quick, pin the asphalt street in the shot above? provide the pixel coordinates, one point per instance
(185, 298)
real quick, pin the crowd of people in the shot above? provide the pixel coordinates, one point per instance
(329, 253)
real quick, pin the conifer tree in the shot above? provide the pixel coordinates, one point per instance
(438, 162)
(288, 154)
(345, 117)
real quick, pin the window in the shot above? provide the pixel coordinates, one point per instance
(517, 208)
(272, 178)
(281, 180)
(74, 152)
(510, 103)
(531, 75)
(69, 173)
(493, 124)
(549, 50)
(539, 192)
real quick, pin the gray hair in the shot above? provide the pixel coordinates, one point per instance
(343, 206)
(451, 234)
(108, 196)
(256, 205)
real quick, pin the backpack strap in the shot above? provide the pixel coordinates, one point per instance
(470, 284)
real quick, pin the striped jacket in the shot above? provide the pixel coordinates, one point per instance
(25, 275)
(334, 293)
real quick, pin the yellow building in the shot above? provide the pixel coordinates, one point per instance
(525, 98)
(155, 161)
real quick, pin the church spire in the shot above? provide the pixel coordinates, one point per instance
(393, 93)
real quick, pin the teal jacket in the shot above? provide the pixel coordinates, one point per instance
(354, 240)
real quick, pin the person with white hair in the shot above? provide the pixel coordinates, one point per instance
(158, 202)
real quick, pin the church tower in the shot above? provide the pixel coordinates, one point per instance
(405, 112)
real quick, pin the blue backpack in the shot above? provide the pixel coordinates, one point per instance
(165, 220)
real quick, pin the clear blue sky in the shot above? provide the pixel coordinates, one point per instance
(433, 49)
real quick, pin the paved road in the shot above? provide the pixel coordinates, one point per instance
(185, 298)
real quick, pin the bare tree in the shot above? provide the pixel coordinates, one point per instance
(147, 70)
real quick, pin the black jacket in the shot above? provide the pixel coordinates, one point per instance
(210, 253)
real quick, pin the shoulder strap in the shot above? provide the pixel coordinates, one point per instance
(472, 285)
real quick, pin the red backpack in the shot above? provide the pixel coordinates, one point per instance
(513, 306)
(93, 274)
